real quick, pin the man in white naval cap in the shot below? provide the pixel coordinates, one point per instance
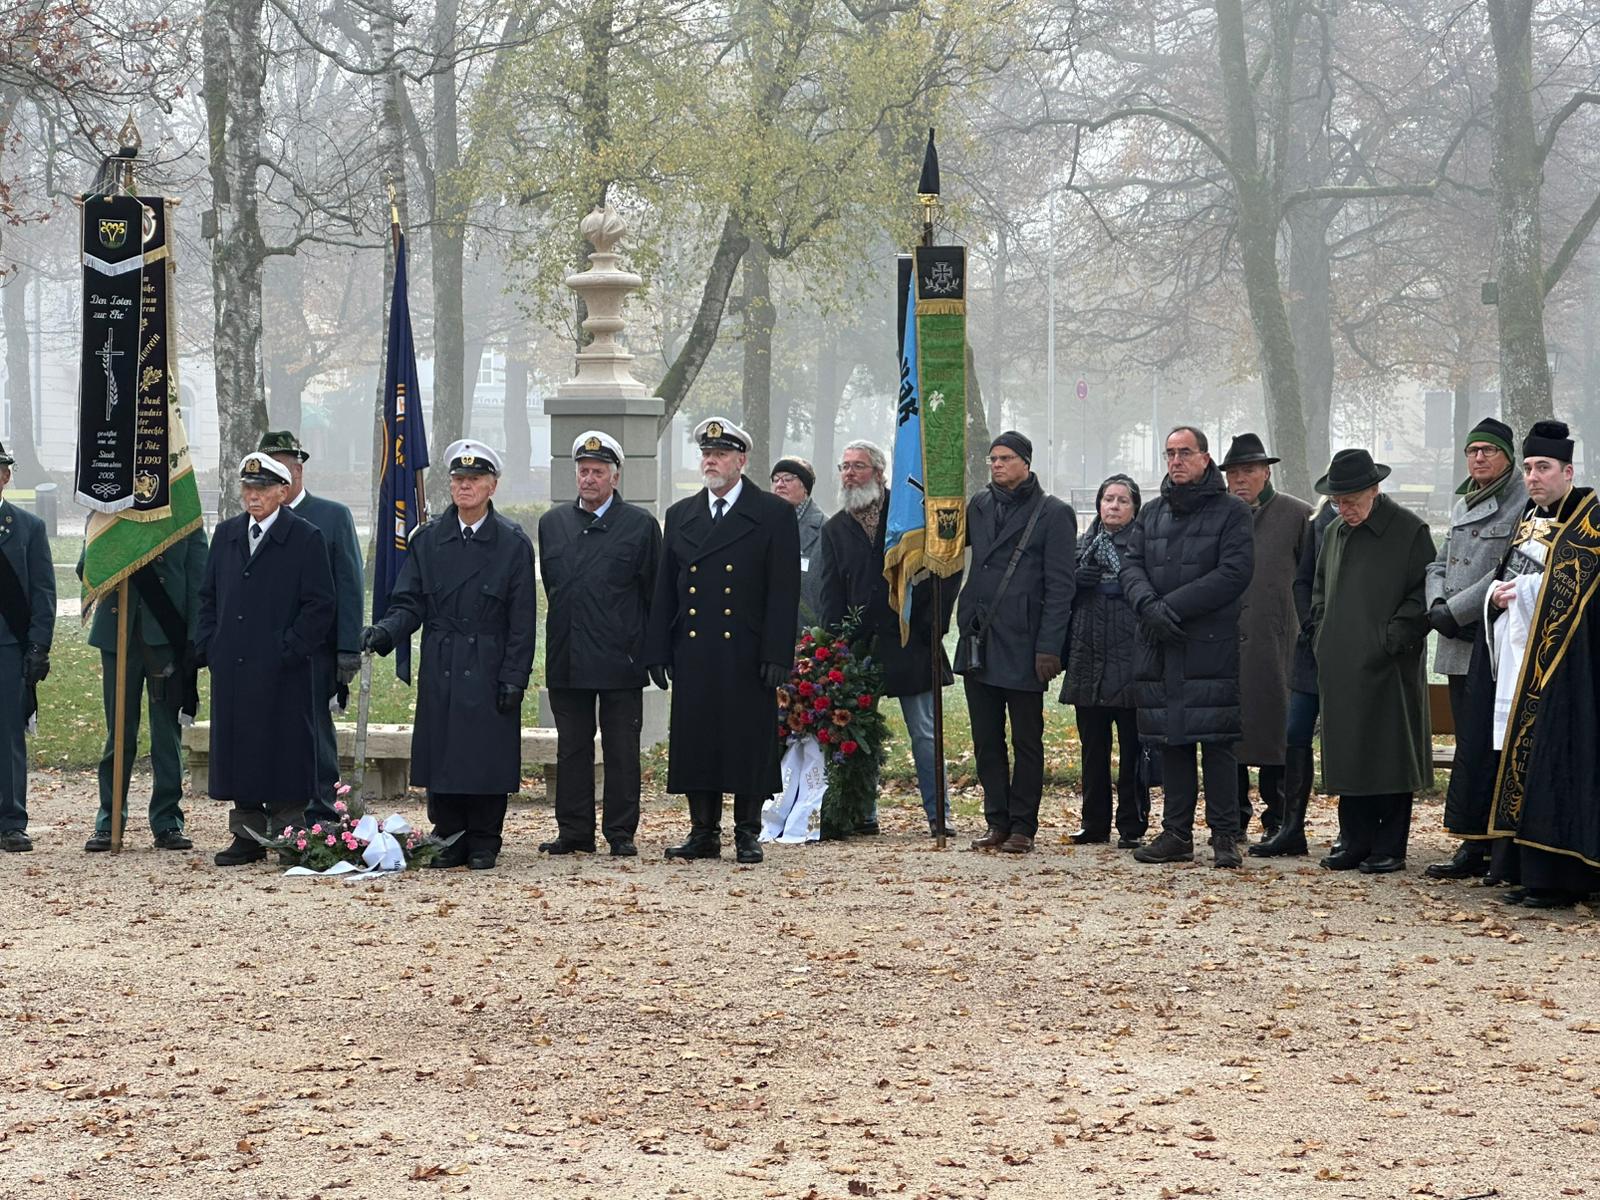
(597, 560)
(266, 604)
(468, 583)
(722, 630)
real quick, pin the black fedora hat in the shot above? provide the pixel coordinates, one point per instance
(1351, 471)
(1245, 450)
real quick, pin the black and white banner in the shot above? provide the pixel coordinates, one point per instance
(114, 230)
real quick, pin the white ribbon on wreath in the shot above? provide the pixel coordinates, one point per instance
(794, 815)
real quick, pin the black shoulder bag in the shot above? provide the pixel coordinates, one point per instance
(979, 636)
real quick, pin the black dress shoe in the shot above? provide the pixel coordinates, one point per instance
(624, 848)
(1129, 843)
(563, 846)
(239, 852)
(482, 860)
(167, 839)
(867, 829)
(1343, 860)
(1468, 862)
(1084, 838)
(1547, 898)
(15, 841)
(749, 850)
(450, 856)
(98, 843)
(1516, 895)
(1385, 864)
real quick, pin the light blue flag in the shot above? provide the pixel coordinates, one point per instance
(905, 534)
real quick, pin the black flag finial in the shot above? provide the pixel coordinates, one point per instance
(928, 185)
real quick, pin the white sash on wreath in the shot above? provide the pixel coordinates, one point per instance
(794, 815)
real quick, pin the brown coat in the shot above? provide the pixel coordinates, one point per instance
(1268, 629)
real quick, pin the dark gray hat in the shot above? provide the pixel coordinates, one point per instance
(1351, 471)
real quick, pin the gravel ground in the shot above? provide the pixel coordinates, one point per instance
(862, 1019)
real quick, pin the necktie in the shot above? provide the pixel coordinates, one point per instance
(717, 508)
(255, 537)
(466, 533)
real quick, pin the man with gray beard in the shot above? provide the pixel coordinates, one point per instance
(852, 578)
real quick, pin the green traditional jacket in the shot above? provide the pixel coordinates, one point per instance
(181, 568)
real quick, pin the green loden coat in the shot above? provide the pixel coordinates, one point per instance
(1371, 625)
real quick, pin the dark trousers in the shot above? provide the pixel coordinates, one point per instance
(1303, 710)
(621, 718)
(1133, 794)
(324, 668)
(1011, 795)
(166, 763)
(1475, 850)
(1181, 790)
(705, 813)
(1375, 826)
(13, 742)
(1271, 798)
(478, 818)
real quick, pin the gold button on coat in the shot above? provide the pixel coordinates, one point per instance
(691, 612)
(727, 612)
(692, 633)
(726, 634)
(693, 569)
(728, 567)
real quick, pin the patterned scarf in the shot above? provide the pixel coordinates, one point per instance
(868, 519)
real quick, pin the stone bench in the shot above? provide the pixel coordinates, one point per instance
(388, 758)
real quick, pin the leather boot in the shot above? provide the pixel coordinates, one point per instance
(747, 828)
(705, 829)
(1290, 840)
(1470, 861)
(1271, 787)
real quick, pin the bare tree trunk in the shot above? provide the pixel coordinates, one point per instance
(19, 378)
(758, 322)
(518, 431)
(685, 368)
(450, 361)
(234, 75)
(1002, 265)
(831, 383)
(1311, 325)
(1258, 220)
(1524, 370)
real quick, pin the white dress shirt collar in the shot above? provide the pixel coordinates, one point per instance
(731, 497)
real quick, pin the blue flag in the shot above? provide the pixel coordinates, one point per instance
(401, 505)
(905, 535)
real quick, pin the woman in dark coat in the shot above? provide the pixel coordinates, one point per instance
(1371, 622)
(1099, 677)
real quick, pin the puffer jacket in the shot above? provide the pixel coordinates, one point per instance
(1194, 548)
(1104, 632)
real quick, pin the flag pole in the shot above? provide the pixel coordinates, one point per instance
(928, 195)
(119, 721)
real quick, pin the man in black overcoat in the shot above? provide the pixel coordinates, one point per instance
(852, 578)
(722, 629)
(468, 584)
(597, 560)
(265, 606)
(338, 659)
(27, 625)
(1023, 626)
(1189, 560)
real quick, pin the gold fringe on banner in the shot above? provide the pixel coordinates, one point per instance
(941, 308)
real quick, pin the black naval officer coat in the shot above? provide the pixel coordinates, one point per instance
(262, 618)
(599, 576)
(727, 597)
(475, 604)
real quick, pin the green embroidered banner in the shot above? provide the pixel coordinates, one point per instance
(941, 333)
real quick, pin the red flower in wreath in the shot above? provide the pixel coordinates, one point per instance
(806, 639)
(848, 748)
(836, 676)
(806, 688)
(821, 703)
(824, 736)
(823, 654)
(863, 701)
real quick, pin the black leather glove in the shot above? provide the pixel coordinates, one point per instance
(377, 639)
(660, 675)
(773, 675)
(1160, 624)
(1087, 576)
(1443, 620)
(35, 664)
(508, 699)
(348, 668)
